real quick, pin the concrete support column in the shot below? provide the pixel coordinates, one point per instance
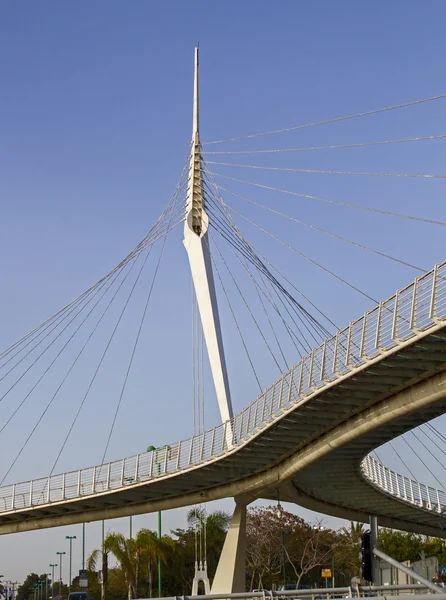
(231, 571)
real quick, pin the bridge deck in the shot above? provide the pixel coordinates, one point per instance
(389, 349)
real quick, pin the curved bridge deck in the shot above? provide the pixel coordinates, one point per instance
(391, 349)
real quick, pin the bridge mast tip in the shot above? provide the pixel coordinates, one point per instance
(195, 125)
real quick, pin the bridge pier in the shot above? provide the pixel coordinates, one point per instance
(231, 570)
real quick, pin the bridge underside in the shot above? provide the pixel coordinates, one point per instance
(312, 454)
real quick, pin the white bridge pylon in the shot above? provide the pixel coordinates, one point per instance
(196, 242)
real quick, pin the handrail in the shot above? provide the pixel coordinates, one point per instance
(406, 315)
(401, 487)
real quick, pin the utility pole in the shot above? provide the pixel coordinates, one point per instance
(52, 577)
(83, 546)
(71, 538)
(60, 571)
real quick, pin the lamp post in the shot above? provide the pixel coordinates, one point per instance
(153, 449)
(71, 538)
(52, 577)
(83, 546)
(46, 585)
(60, 571)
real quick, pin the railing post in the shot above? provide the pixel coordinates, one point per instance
(405, 481)
(378, 326)
(420, 493)
(272, 400)
(107, 485)
(433, 294)
(324, 354)
(202, 446)
(349, 341)
(78, 483)
(413, 307)
(48, 490)
(256, 414)
(264, 407)
(335, 355)
(137, 467)
(301, 376)
(429, 501)
(310, 376)
(411, 491)
(242, 423)
(363, 335)
(122, 471)
(31, 493)
(438, 501)
(166, 449)
(398, 492)
(249, 419)
(179, 451)
(290, 391)
(395, 318)
(224, 433)
(13, 497)
(151, 463)
(282, 385)
(191, 450)
(93, 481)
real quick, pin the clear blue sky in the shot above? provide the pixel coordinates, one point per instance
(95, 127)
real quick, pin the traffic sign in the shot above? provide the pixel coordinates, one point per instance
(326, 573)
(83, 578)
(442, 570)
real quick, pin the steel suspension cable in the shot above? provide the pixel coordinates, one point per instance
(140, 247)
(409, 471)
(96, 291)
(245, 265)
(320, 229)
(261, 258)
(353, 287)
(423, 463)
(328, 121)
(73, 423)
(331, 147)
(60, 352)
(223, 207)
(69, 309)
(330, 171)
(235, 319)
(134, 346)
(247, 305)
(276, 284)
(335, 202)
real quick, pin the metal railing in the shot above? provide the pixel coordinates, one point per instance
(401, 487)
(413, 310)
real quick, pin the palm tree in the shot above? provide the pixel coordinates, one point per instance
(148, 548)
(124, 551)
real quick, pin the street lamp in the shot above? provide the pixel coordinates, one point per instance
(52, 577)
(46, 586)
(71, 538)
(167, 450)
(60, 571)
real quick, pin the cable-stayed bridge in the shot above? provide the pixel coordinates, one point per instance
(308, 437)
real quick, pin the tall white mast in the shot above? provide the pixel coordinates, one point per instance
(196, 242)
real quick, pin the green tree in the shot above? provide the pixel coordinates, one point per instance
(401, 545)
